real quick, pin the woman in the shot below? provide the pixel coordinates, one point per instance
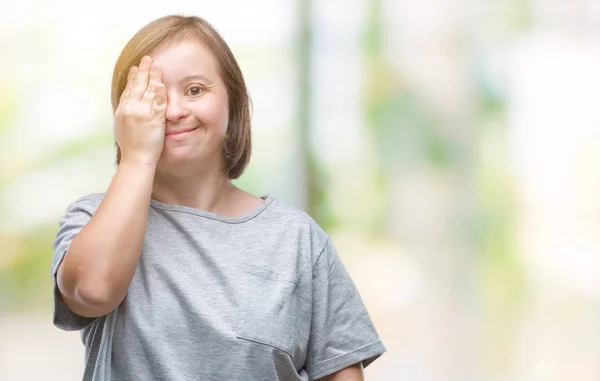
(175, 273)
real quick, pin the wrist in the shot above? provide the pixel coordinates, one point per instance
(139, 161)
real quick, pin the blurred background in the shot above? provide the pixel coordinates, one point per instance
(450, 148)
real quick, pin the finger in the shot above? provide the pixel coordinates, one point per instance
(148, 96)
(155, 75)
(160, 97)
(130, 78)
(141, 78)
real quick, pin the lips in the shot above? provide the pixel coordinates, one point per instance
(179, 131)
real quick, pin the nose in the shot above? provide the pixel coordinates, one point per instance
(176, 109)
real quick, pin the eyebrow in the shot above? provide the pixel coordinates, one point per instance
(195, 77)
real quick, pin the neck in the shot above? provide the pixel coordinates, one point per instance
(208, 191)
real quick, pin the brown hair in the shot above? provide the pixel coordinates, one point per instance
(159, 35)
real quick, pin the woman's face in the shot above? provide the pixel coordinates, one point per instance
(197, 107)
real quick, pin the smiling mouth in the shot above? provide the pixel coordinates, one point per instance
(181, 135)
(175, 133)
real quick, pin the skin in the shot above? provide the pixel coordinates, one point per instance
(189, 170)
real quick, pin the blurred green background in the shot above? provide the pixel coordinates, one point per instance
(450, 148)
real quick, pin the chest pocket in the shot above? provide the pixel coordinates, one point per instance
(269, 308)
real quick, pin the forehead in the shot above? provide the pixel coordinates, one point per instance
(186, 58)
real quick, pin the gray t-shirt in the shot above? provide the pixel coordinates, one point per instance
(259, 297)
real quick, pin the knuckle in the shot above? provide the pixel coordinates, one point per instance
(128, 112)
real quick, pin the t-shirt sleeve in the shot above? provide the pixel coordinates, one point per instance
(342, 333)
(77, 216)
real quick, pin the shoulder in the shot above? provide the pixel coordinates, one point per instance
(93, 198)
(296, 219)
(295, 216)
(89, 202)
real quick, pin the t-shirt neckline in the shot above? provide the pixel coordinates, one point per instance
(268, 199)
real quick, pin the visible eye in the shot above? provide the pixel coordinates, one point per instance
(194, 90)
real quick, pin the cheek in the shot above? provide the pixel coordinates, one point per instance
(214, 112)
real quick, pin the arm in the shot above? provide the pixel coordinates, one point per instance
(351, 373)
(100, 262)
(99, 265)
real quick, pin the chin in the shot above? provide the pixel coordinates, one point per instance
(180, 161)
